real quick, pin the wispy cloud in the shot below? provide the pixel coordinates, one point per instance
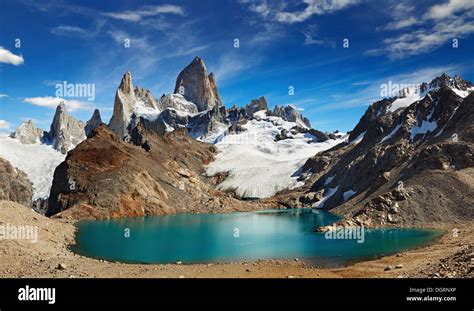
(439, 25)
(3, 95)
(8, 57)
(120, 36)
(68, 30)
(232, 64)
(310, 37)
(75, 31)
(148, 11)
(278, 10)
(53, 102)
(449, 8)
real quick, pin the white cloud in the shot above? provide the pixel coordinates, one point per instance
(3, 95)
(310, 37)
(314, 7)
(53, 102)
(8, 57)
(439, 25)
(68, 30)
(4, 125)
(449, 8)
(277, 11)
(138, 15)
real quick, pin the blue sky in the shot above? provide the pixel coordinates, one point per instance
(282, 44)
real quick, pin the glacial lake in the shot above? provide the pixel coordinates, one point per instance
(207, 238)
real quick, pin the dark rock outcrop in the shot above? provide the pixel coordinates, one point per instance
(256, 105)
(291, 114)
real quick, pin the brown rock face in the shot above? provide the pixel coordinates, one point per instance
(14, 184)
(105, 177)
(197, 86)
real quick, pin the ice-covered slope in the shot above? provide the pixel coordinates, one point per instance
(38, 161)
(258, 165)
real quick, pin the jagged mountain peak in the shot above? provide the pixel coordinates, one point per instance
(65, 131)
(126, 85)
(94, 122)
(27, 133)
(197, 86)
(455, 82)
(291, 113)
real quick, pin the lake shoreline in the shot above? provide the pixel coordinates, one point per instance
(52, 258)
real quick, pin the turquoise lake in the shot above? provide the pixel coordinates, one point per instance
(207, 238)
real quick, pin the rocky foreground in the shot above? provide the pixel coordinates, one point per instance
(449, 256)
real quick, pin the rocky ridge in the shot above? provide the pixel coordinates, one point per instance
(397, 160)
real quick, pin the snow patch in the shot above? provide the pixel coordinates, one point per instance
(38, 161)
(348, 194)
(390, 135)
(462, 94)
(425, 127)
(258, 165)
(358, 139)
(328, 180)
(413, 95)
(329, 193)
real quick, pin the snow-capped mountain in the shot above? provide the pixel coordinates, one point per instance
(400, 141)
(262, 150)
(37, 160)
(38, 153)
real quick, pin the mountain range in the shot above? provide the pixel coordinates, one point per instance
(409, 161)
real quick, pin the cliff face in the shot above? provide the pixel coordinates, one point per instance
(65, 131)
(197, 86)
(14, 184)
(123, 106)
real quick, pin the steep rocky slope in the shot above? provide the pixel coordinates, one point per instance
(105, 177)
(405, 166)
(14, 184)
